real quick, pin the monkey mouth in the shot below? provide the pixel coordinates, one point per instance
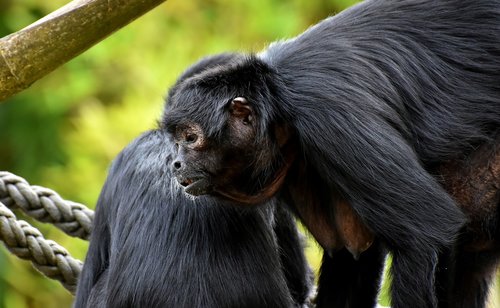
(196, 186)
(186, 182)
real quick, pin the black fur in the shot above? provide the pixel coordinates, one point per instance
(345, 282)
(377, 97)
(152, 246)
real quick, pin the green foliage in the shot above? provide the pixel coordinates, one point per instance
(63, 132)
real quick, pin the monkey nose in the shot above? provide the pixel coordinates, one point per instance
(176, 165)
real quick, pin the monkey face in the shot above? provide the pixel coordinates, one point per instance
(194, 162)
(234, 164)
(206, 164)
(231, 140)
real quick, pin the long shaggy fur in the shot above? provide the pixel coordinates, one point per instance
(377, 97)
(152, 246)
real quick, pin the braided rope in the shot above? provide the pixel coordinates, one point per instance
(45, 205)
(47, 256)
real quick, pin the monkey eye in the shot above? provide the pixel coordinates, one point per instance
(190, 135)
(184, 134)
(190, 138)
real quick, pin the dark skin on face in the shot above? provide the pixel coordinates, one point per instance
(204, 166)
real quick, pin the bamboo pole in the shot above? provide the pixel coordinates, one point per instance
(35, 51)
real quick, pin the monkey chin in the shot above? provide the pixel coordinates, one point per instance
(267, 192)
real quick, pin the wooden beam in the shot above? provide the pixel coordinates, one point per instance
(35, 51)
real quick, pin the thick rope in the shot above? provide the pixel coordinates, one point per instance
(45, 205)
(47, 256)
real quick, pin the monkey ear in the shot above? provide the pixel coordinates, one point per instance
(240, 108)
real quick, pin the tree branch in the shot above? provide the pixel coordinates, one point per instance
(35, 51)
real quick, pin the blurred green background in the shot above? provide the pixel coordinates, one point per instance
(64, 130)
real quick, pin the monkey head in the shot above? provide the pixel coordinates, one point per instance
(229, 141)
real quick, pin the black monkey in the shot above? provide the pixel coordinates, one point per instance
(350, 123)
(152, 246)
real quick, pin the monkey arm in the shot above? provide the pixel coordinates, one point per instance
(379, 175)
